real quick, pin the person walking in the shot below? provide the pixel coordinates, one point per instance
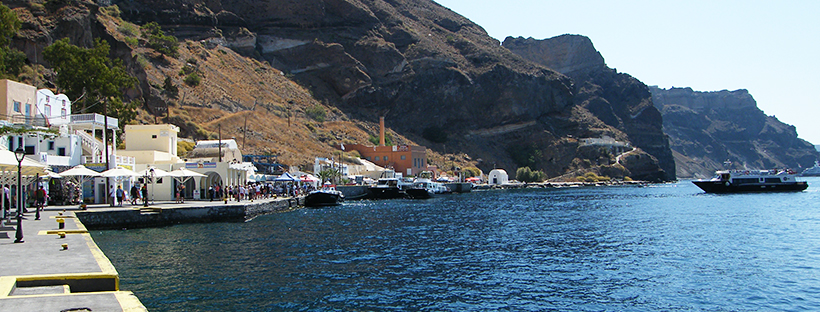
(39, 198)
(211, 192)
(135, 194)
(145, 194)
(120, 195)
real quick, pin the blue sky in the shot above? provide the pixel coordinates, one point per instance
(771, 48)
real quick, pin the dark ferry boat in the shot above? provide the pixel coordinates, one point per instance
(747, 181)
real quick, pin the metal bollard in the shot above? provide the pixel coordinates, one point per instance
(61, 234)
(60, 223)
(65, 246)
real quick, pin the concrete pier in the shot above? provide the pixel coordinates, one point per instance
(63, 269)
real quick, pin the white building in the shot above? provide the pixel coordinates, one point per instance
(498, 177)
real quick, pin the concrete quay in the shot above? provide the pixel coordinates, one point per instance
(63, 269)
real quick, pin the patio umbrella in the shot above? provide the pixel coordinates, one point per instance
(80, 173)
(8, 162)
(158, 173)
(119, 172)
(51, 175)
(182, 175)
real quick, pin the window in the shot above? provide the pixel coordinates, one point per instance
(154, 136)
(377, 158)
(16, 106)
(62, 112)
(61, 151)
(385, 158)
(403, 157)
(28, 109)
(47, 110)
(51, 145)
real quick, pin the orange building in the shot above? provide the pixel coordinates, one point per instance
(406, 159)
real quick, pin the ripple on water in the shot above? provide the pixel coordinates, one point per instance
(669, 248)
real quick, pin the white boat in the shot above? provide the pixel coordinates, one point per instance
(744, 181)
(813, 171)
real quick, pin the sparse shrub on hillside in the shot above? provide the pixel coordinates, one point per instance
(388, 139)
(157, 40)
(593, 177)
(316, 112)
(192, 79)
(142, 61)
(128, 29)
(183, 147)
(111, 10)
(470, 172)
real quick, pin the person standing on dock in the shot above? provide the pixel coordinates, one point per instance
(135, 194)
(120, 195)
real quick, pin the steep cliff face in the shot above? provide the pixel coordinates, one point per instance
(617, 99)
(708, 128)
(425, 68)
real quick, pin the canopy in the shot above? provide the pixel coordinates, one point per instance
(182, 174)
(51, 175)
(286, 177)
(80, 170)
(8, 162)
(119, 172)
(158, 173)
(309, 178)
(473, 179)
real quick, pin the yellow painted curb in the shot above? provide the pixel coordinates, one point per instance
(51, 232)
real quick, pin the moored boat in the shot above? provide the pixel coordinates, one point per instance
(813, 171)
(327, 196)
(743, 181)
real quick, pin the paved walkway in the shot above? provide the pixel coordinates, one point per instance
(41, 275)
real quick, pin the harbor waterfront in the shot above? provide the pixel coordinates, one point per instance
(668, 247)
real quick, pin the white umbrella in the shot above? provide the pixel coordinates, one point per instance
(80, 170)
(158, 173)
(183, 174)
(8, 162)
(119, 172)
(52, 175)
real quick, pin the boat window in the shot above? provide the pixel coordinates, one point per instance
(772, 180)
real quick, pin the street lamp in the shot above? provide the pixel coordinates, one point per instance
(145, 195)
(153, 181)
(19, 153)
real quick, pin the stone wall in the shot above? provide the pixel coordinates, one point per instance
(156, 217)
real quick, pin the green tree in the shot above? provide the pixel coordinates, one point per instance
(170, 89)
(11, 60)
(92, 78)
(157, 40)
(329, 174)
(525, 174)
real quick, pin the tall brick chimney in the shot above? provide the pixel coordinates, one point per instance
(381, 131)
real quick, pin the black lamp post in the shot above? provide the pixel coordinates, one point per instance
(145, 185)
(19, 153)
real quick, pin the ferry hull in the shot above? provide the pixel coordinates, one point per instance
(385, 192)
(321, 199)
(722, 187)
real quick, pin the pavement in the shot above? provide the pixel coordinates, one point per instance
(47, 272)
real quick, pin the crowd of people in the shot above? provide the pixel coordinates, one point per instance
(255, 190)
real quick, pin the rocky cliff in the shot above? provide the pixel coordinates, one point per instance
(617, 99)
(438, 78)
(708, 128)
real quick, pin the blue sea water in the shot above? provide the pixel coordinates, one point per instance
(667, 247)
